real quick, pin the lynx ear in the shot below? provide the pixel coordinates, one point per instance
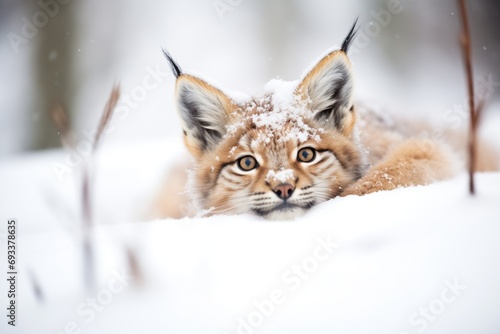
(329, 89)
(204, 111)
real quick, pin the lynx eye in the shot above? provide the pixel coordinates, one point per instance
(306, 154)
(247, 163)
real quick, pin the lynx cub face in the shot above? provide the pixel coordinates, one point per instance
(278, 155)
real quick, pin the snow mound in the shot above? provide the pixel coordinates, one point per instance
(405, 261)
(281, 176)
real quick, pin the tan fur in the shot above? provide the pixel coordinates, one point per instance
(172, 200)
(409, 163)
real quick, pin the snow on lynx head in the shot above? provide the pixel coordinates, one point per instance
(277, 155)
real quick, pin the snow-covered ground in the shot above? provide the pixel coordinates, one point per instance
(423, 259)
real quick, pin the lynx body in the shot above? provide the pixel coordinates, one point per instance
(300, 144)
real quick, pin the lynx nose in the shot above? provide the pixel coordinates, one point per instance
(284, 191)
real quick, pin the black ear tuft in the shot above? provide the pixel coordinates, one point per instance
(176, 70)
(329, 90)
(347, 41)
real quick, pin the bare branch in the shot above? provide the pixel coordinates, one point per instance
(61, 121)
(133, 264)
(87, 208)
(465, 42)
(107, 113)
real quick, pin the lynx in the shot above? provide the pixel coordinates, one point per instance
(300, 144)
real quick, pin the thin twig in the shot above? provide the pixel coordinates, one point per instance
(465, 42)
(478, 115)
(133, 265)
(87, 209)
(88, 253)
(35, 285)
(107, 113)
(61, 121)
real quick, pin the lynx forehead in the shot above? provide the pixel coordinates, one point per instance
(280, 116)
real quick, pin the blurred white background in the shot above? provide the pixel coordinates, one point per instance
(409, 62)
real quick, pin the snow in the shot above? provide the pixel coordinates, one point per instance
(232, 150)
(279, 115)
(281, 176)
(405, 261)
(282, 91)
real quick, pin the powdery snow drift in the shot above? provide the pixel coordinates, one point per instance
(421, 259)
